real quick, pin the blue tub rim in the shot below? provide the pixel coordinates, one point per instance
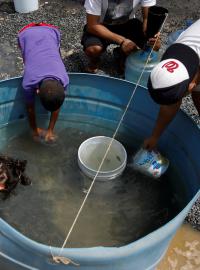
(93, 253)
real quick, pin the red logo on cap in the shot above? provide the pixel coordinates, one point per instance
(171, 66)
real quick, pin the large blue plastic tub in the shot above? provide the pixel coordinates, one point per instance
(105, 98)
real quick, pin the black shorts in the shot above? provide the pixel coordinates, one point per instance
(132, 30)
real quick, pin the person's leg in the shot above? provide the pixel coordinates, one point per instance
(93, 47)
(93, 53)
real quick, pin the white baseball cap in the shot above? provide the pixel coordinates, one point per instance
(169, 80)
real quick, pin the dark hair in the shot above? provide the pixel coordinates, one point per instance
(51, 94)
(12, 172)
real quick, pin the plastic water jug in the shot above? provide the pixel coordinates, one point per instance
(135, 63)
(174, 35)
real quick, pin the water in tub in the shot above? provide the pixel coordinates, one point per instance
(116, 213)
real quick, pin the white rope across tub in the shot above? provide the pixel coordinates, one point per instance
(60, 258)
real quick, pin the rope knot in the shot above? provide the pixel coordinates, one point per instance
(64, 260)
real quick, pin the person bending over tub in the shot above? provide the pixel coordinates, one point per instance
(44, 74)
(177, 75)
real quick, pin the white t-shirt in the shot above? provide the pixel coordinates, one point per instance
(93, 7)
(191, 37)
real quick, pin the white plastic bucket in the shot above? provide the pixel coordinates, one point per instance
(91, 153)
(25, 6)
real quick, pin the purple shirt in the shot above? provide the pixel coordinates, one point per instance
(40, 46)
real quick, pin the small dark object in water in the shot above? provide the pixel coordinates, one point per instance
(118, 158)
(11, 173)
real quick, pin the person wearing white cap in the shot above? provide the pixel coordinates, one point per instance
(177, 75)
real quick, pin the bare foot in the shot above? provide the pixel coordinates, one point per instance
(93, 65)
(91, 70)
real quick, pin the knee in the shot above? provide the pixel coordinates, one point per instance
(94, 51)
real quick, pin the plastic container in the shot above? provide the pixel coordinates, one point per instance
(151, 163)
(25, 6)
(174, 35)
(91, 153)
(156, 17)
(136, 61)
(135, 64)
